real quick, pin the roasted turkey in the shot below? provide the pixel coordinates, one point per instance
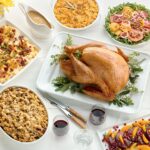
(102, 72)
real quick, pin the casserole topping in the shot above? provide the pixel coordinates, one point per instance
(15, 52)
(22, 115)
(76, 13)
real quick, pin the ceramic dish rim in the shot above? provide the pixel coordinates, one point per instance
(40, 98)
(88, 103)
(111, 37)
(99, 133)
(5, 21)
(77, 29)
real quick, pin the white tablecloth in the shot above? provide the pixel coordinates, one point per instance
(29, 77)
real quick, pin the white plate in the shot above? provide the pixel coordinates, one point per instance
(127, 45)
(6, 22)
(48, 73)
(101, 133)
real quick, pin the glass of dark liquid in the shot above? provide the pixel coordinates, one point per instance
(97, 115)
(60, 125)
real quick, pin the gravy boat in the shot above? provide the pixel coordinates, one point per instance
(39, 30)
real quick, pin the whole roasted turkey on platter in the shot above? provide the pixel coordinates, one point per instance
(102, 71)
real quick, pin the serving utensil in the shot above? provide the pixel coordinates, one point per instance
(69, 112)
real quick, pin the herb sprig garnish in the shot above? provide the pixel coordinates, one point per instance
(135, 66)
(62, 83)
(124, 97)
(57, 57)
(70, 5)
(69, 41)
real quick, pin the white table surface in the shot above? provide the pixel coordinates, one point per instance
(29, 77)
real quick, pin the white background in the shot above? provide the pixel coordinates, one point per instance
(29, 77)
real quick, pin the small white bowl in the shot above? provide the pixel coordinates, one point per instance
(76, 29)
(12, 140)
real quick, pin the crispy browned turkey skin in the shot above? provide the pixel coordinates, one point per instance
(102, 71)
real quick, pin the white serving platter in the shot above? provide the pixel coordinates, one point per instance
(100, 134)
(48, 73)
(6, 22)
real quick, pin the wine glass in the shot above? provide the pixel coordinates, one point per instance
(97, 115)
(83, 139)
(60, 125)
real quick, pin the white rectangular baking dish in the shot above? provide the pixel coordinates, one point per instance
(100, 134)
(6, 22)
(48, 73)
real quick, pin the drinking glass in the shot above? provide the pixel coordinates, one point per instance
(97, 115)
(83, 139)
(60, 125)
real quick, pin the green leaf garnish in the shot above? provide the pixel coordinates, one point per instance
(69, 40)
(124, 97)
(63, 84)
(55, 58)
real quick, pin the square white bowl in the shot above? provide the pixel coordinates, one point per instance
(48, 73)
(6, 22)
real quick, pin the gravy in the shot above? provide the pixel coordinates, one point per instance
(38, 18)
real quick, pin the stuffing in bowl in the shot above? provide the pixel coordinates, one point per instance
(22, 114)
(129, 23)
